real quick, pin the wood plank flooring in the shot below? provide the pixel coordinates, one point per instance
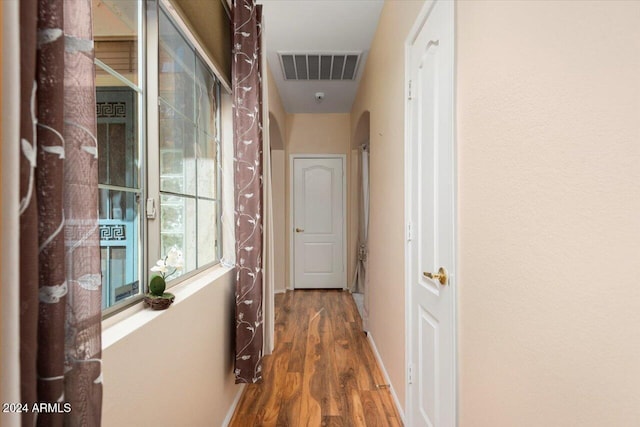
(322, 371)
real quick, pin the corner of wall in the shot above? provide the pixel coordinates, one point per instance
(381, 92)
(9, 221)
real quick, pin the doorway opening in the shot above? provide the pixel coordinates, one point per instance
(361, 152)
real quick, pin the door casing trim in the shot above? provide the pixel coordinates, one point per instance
(343, 157)
(412, 36)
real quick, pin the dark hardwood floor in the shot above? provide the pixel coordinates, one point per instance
(322, 371)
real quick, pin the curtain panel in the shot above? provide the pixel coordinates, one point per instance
(360, 274)
(60, 282)
(248, 163)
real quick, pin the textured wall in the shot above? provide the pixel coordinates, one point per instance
(318, 133)
(10, 221)
(276, 110)
(278, 162)
(549, 189)
(177, 369)
(381, 93)
(547, 131)
(277, 135)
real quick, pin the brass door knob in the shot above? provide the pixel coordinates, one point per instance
(299, 230)
(440, 276)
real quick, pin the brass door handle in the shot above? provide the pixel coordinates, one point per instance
(440, 276)
(299, 230)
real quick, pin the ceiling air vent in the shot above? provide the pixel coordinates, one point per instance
(319, 66)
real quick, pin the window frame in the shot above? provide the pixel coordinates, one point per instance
(153, 144)
(148, 132)
(140, 90)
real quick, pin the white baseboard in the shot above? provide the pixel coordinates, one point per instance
(386, 377)
(234, 404)
(280, 291)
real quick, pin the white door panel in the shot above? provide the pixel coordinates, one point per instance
(318, 258)
(431, 189)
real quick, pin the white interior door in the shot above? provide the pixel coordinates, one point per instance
(318, 223)
(431, 246)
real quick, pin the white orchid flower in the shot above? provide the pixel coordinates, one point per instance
(174, 258)
(171, 263)
(160, 267)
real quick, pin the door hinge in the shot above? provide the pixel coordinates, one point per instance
(410, 373)
(409, 235)
(410, 97)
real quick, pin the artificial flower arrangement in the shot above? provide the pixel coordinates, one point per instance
(166, 267)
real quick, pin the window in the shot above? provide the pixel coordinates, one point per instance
(189, 147)
(119, 95)
(158, 143)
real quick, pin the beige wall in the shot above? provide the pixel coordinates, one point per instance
(316, 134)
(381, 93)
(549, 189)
(176, 370)
(10, 220)
(276, 109)
(277, 134)
(279, 215)
(1, 220)
(210, 23)
(548, 134)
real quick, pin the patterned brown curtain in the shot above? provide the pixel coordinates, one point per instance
(60, 295)
(247, 129)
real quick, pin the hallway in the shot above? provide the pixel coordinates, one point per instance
(322, 371)
(467, 165)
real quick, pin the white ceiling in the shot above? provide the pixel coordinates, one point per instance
(318, 26)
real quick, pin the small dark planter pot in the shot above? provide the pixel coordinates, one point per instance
(159, 302)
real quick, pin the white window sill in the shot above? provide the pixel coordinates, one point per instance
(127, 321)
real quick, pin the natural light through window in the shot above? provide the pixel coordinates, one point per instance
(184, 182)
(189, 204)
